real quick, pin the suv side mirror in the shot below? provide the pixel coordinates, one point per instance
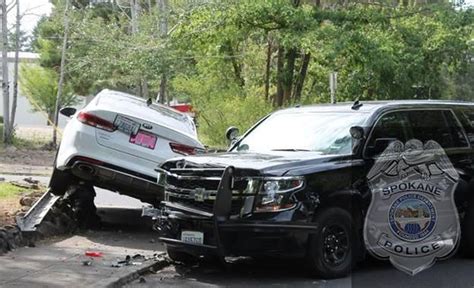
(357, 132)
(68, 111)
(232, 133)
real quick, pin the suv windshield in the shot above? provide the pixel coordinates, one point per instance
(323, 132)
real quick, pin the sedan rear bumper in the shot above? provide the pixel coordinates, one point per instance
(118, 179)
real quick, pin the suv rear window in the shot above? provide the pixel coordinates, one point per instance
(466, 116)
(437, 125)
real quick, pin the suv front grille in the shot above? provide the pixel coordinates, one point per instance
(206, 205)
(197, 188)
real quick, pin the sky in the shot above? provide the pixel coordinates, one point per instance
(32, 11)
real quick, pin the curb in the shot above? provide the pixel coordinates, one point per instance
(131, 274)
(25, 173)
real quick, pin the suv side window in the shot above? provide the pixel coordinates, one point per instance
(437, 125)
(456, 130)
(466, 116)
(391, 126)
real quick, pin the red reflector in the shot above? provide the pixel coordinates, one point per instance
(184, 149)
(183, 107)
(93, 254)
(95, 121)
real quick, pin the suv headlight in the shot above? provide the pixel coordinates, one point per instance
(276, 193)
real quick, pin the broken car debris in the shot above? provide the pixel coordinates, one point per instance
(93, 254)
(136, 260)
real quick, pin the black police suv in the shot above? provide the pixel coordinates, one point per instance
(295, 185)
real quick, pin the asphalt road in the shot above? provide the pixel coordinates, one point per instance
(455, 272)
(245, 272)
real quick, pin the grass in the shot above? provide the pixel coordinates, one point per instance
(33, 140)
(8, 190)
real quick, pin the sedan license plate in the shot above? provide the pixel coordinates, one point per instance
(126, 125)
(144, 139)
(192, 237)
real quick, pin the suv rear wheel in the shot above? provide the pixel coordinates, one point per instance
(330, 252)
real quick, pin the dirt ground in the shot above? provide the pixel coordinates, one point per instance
(24, 156)
(10, 207)
(8, 210)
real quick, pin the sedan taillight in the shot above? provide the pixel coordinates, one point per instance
(185, 149)
(95, 121)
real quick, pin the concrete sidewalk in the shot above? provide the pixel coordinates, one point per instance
(60, 263)
(26, 170)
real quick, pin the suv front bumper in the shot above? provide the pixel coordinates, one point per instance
(234, 236)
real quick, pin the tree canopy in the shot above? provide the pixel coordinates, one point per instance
(238, 60)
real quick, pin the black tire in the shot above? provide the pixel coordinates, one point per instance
(81, 199)
(60, 182)
(467, 234)
(331, 248)
(182, 257)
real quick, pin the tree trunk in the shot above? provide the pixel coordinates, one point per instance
(301, 77)
(5, 86)
(278, 101)
(290, 68)
(235, 65)
(267, 68)
(163, 97)
(15, 75)
(145, 92)
(163, 13)
(61, 73)
(238, 72)
(296, 3)
(134, 16)
(50, 118)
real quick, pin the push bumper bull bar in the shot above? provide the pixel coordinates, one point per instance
(222, 221)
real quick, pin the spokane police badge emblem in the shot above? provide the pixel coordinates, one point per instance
(412, 219)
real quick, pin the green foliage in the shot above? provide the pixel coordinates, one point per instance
(215, 54)
(221, 105)
(8, 190)
(24, 41)
(40, 86)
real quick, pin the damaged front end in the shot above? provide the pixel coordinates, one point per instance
(226, 211)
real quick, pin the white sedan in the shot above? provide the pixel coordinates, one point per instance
(116, 142)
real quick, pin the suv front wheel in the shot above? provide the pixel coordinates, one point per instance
(330, 252)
